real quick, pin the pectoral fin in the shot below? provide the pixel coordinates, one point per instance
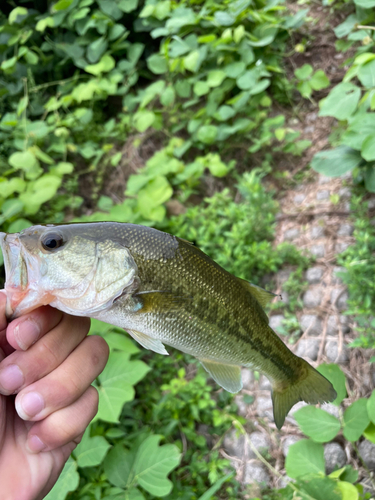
(228, 376)
(160, 301)
(263, 296)
(148, 342)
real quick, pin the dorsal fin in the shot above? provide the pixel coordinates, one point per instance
(263, 296)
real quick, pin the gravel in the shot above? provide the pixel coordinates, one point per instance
(311, 322)
(308, 348)
(331, 409)
(345, 193)
(318, 251)
(261, 442)
(340, 298)
(334, 456)
(314, 274)
(317, 232)
(247, 378)
(312, 298)
(322, 195)
(255, 472)
(234, 444)
(299, 198)
(345, 230)
(264, 407)
(332, 352)
(367, 452)
(276, 321)
(291, 234)
(336, 280)
(341, 246)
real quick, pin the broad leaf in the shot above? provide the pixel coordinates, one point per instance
(319, 488)
(119, 466)
(91, 450)
(304, 72)
(317, 424)
(153, 463)
(341, 102)
(68, 481)
(371, 407)
(368, 148)
(366, 74)
(348, 491)
(305, 457)
(356, 420)
(334, 374)
(336, 162)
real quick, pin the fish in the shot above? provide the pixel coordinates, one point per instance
(164, 291)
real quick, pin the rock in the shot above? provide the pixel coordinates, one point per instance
(234, 444)
(317, 232)
(264, 407)
(291, 234)
(290, 417)
(332, 351)
(341, 246)
(312, 297)
(371, 203)
(247, 378)
(264, 383)
(276, 321)
(331, 409)
(311, 117)
(299, 198)
(308, 348)
(334, 456)
(314, 274)
(318, 251)
(322, 195)
(288, 441)
(285, 297)
(260, 441)
(345, 193)
(344, 321)
(367, 451)
(312, 323)
(283, 275)
(339, 297)
(203, 429)
(323, 179)
(309, 130)
(336, 280)
(255, 472)
(174, 207)
(332, 327)
(345, 230)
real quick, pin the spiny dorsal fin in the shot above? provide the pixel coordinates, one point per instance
(228, 376)
(263, 296)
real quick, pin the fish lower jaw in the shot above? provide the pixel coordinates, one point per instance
(20, 302)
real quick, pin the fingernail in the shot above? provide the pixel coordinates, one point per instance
(29, 405)
(11, 379)
(34, 444)
(26, 333)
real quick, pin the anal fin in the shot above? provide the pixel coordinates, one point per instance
(148, 342)
(227, 376)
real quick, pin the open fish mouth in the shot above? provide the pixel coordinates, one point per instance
(20, 296)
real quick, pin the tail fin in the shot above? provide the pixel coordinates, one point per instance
(311, 387)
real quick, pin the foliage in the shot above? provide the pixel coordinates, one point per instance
(305, 459)
(310, 80)
(352, 103)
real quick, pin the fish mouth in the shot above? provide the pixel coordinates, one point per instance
(22, 295)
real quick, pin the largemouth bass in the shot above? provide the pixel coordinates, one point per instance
(163, 291)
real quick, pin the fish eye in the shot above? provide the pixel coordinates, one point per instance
(52, 241)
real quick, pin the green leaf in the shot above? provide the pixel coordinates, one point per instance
(22, 105)
(67, 482)
(348, 491)
(341, 102)
(143, 119)
(157, 64)
(27, 162)
(14, 185)
(225, 113)
(334, 374)
(207, 134)
(119, 465)
(366, 74)
(201, 88)
(304, 72)
(365, 4)
(40, 191)
(260, 86)
(153, 463)
(318, 488)
(18, 11)
(216, 77)
(10, 208)
(168, 96)
(62, 5)
(127, 5)
(106, 64)
(317, 424)
(62, 168)
(19, 225)
(356, 420)
(91, 451)
(336, 162)
(223, 18)
(215, 487)
(116, 384)
(96, 49)
(369, 432)
(368, 148)
(305, 89)
(305, 457)
(234, 70)
(248, 79)
(120, 342)
(371, 407)
(319, 80)
(156, 192)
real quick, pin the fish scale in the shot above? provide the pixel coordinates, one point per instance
(164, 291)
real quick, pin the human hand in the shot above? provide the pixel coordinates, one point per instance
(49, 363)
